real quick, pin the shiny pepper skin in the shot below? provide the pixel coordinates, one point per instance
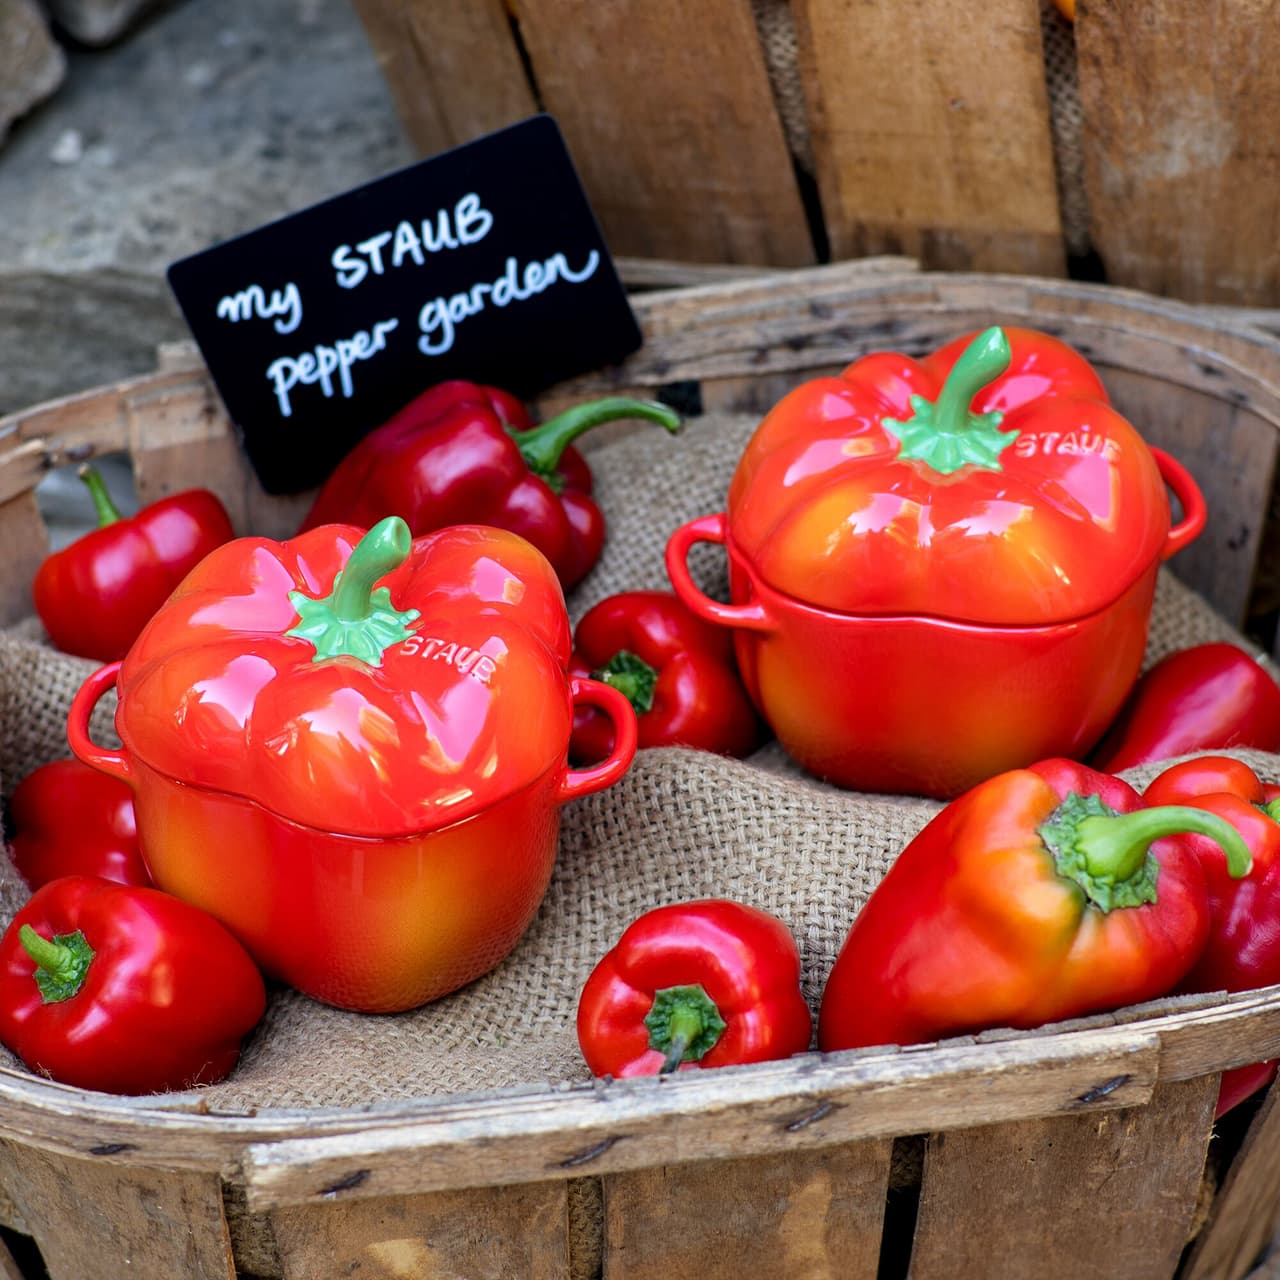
(70, 819)
(1204, 698)
(461, 453)
(1243, 947)
(95, 595)
(676, 669)
(1041, 894)
(694, 985)
(129, 991)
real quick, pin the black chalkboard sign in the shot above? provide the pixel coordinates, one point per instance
(484, 262)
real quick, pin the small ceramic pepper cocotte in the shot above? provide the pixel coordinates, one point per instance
(351, 749)
(943, 568)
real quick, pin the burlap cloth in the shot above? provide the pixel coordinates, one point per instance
(680, 825)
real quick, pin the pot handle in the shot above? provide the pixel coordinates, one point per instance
(1185, 489)
(713, 528)
(114, 763)
(615, 705)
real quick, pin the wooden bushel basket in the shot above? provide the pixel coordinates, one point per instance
(1081, 1150)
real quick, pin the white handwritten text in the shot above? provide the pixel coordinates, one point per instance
(439, 318)
(320, 365)
(253, 301)
(470, 222)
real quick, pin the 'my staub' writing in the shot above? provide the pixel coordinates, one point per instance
(330, 365)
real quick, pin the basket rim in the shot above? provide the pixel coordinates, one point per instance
(289, 1155)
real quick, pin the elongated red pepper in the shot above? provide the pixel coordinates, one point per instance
(96, 594)
(124, 989)
(467, 454)
(1205, 698)
(675, 669)
(70, 819)
(694, 984)
(1243, 948)
(1041, 894)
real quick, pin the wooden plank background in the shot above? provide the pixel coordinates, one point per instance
(491, 1233)
(1180, 100)
(674, 115)
(454, 70)
(1246, 1212)
(919, 149)
(666, 108)
(668, 113)
(97, 1219)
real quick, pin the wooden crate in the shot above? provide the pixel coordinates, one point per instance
(775, 132)
(1082, 1150)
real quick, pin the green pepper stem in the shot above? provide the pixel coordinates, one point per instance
(50, 956)
(1106, 854)
(1115, 847)
(385, 547)
(356, 620)
(945, 434)
(683, 1024)
(686, 1026)
(107, 511)
(632, 676)
(61, 962)
(981, 362)
(543, 446)
(1272, 809)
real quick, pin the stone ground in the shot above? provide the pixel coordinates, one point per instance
(210, 119)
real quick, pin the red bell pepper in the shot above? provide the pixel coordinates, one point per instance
(675, 669)
(1041, 894)
(69, 819)
(694, 984)
(95, 595)
(1243, 948)
(1205, 698)
(466, 454)
(351, 748)
(124, 989)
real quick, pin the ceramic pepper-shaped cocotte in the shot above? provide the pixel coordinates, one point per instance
(941, 569)
(351, 749)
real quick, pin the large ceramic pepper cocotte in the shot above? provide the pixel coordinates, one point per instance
(351, 749)
(941, 569)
